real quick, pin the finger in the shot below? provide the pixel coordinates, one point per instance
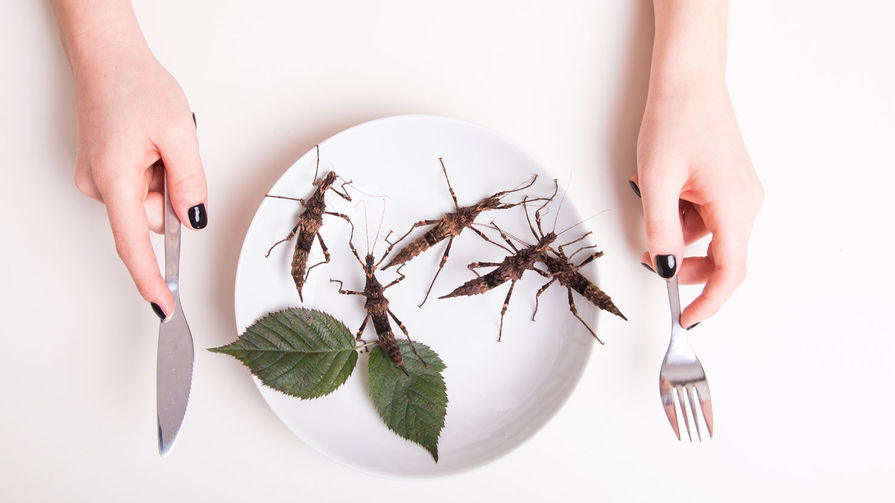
(693, 227)
(664, 237)
(695, 270)
(85, 184)
(154, 207)
(154, 203)
(729, 256)
(127, 218)
(185, 177)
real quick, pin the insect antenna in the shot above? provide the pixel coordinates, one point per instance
(317, 168)
(521, 186)
(518, 239)
(528, 219)
(562, 199)
(366, 226)
(486, 238)
(543, 206)
(581, 222)
(381, 219)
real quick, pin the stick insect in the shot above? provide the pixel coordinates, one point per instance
(567, 273)
(376, 304)
(449, 226)
(308, 226)
(510, 269)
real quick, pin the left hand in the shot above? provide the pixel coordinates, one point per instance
(695, 178)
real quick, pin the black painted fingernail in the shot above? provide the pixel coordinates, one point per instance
(691, 327)
(158, 311)
(198, 218)
(635, 188)
(665, 265)
(650, 269)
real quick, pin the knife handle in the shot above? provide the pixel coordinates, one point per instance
(172, 244)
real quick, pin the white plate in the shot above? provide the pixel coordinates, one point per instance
(499, 394)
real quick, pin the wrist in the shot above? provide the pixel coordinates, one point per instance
(99, 35)
(689, 48)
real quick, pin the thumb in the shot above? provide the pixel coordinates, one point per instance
(185, 176)
(664, 237)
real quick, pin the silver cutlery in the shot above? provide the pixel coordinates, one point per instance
(175, 344)
(682, 381)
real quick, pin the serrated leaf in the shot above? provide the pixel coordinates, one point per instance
(301, 352)
(414, 405)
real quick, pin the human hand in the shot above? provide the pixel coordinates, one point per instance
(131, 113)
(695, 178)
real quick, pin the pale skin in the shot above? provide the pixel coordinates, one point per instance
(693, 171)
(131, 112)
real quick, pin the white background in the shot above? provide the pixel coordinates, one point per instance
(799, 359)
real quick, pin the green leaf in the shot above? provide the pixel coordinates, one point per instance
(412, 406)
(301, 352)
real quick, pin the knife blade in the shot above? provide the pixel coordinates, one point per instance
(174, 373)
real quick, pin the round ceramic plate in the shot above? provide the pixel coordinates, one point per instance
(499, 393)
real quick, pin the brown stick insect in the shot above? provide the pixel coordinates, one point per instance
(562, 268)
(376, 304)
(510, 269)
(308, 226)
(450, 225)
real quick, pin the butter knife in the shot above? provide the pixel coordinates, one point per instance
(175, 344)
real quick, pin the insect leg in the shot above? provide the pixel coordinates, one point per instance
(344, 292)
(486, 238)
(300, 200)
(444, 258)
(387, 250)
(363, 325)
(287, 238)
(397, 280)
(503, 310)
(475, 265)
(545, 274)
(538, 296)
(575, 312)
(404, 329)
(350, 237)
(543, 206)
(505, 237)
(451, 189)
(575, 241)
(586, 261)
(344, 194)
(414, 226)
(523, 186)
(326, 256)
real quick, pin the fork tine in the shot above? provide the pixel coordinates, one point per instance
(705, 401)
(693, 410)
(683, 404)
(672, 417)
(667, 394)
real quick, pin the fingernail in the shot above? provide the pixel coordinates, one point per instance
(635, 188)
(691, 327)
(665, 265)
(198, 218)
(650, 269)
(158, 311)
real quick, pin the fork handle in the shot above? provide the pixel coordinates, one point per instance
(674, 301)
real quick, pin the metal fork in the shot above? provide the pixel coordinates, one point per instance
(682, 374)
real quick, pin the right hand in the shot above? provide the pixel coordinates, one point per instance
(132, 113)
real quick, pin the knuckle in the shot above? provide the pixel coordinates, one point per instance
(84, 182)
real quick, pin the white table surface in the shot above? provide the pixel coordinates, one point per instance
(799, 359)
